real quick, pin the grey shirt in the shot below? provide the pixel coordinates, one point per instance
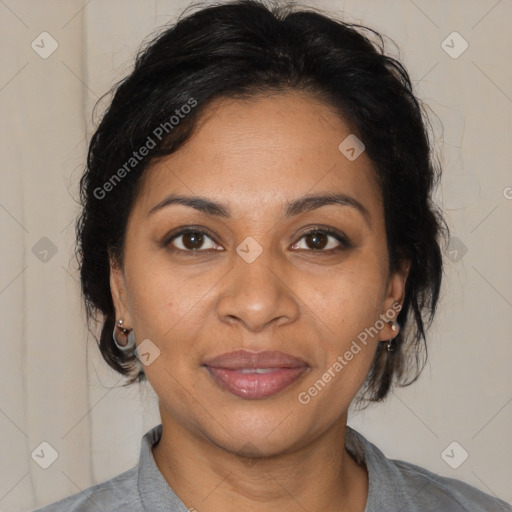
(394, 486)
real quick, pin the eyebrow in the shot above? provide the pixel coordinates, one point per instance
(296, 207)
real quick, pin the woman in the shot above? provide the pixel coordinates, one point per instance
(258, 234)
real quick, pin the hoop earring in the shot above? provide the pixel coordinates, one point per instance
(130, 339)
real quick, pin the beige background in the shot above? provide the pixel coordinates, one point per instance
(54, 386)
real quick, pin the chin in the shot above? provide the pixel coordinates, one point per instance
(265, 429)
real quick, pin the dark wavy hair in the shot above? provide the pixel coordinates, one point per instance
(245, 48)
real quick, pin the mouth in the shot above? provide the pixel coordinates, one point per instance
(255, 375)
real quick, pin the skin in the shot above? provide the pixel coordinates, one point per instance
(220, 452)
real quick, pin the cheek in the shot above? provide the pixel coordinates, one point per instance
(349, 299)
(347, 306)
(168, 305)
(347, 309)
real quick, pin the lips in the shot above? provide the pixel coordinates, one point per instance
(255, 375)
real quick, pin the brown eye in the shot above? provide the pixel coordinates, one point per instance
(191, 240)
(322, 241)
(316, 240)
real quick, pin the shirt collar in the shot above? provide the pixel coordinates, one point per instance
(155, 493)
(384, 490)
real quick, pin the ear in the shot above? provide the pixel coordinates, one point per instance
(118, 290)
(394, 299)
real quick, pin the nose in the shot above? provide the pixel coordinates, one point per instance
(257, 294)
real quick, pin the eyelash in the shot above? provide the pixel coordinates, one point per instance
(341, 238)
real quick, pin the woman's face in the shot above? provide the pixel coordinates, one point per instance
(255, 280)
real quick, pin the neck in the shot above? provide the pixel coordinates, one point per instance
(208, 478)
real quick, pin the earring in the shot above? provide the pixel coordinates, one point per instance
(130, 339)
(390, 346)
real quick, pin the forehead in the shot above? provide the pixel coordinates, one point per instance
(266, 149)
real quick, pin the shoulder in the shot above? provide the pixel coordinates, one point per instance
(399, 485)
(117, 494)
(433, 492)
